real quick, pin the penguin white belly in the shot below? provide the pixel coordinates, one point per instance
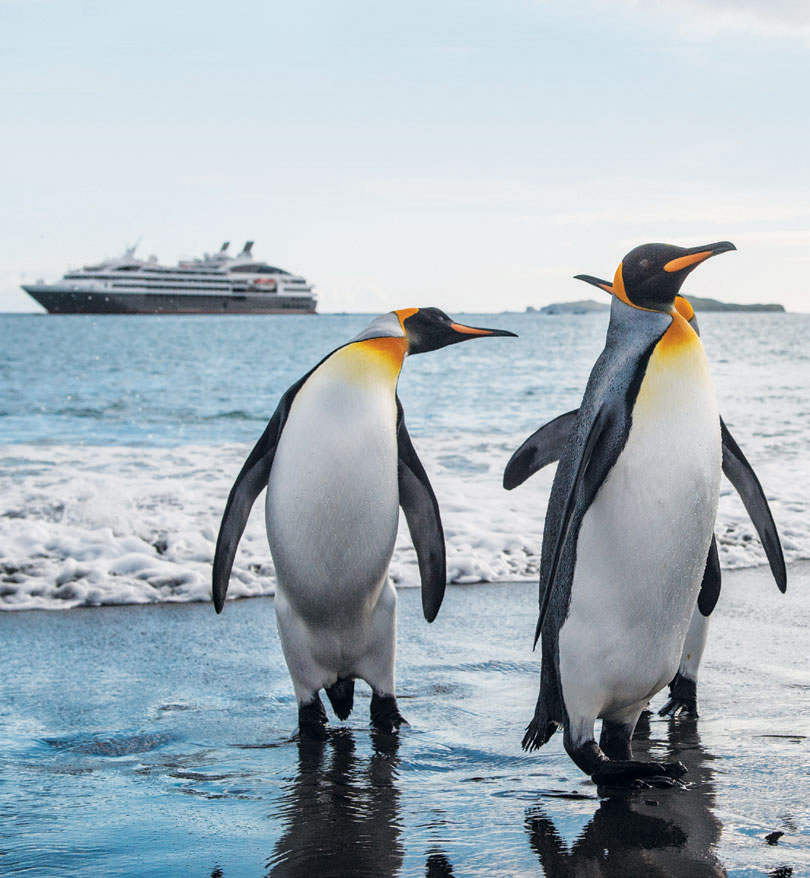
(643, 543)
(333, 499)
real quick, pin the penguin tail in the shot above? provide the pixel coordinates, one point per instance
(341, 696)
(539, 730)
(548, 712)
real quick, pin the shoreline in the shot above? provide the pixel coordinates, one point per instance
(132, 736)
(799, 568)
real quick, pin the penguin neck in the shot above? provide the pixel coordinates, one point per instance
(679, 338)
(371, 361)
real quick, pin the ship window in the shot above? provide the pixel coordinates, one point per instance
(258, 268)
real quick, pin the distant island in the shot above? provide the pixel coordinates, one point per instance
(582, 306)
(589, 306)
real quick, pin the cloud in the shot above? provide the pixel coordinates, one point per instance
(762, 17)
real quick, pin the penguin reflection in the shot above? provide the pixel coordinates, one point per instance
(653, 833)
(341, 812)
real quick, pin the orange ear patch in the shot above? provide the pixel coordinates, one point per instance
(684, 308)
(619, 291)
(403, 314)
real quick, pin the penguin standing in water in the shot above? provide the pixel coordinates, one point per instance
(629, 522)
(546, 445)
(337, 463)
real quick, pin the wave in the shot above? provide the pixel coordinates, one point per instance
(90, 525)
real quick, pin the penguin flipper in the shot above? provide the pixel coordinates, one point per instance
(421, 510)
(710, 586)
(544, 446)
(600, 426)
(250, 482)
(742, 476)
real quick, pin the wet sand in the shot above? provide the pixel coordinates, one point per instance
(158, 741)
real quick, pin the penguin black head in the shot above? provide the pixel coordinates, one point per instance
(427, 329)
(650, 276)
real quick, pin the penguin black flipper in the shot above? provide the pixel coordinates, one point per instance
(740, 473)
(421, 510)
(250, 482)
(710, 586)
(599, 452)
(543, 447)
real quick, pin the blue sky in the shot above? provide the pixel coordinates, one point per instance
(469, 155)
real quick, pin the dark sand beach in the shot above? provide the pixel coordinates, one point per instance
(158, 740)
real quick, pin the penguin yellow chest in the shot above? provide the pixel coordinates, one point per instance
(643, 542)
(332, 502)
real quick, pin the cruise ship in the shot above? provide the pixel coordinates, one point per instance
(217, 283)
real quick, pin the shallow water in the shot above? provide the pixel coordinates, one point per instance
(146, 741)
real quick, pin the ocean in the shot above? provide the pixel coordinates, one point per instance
(121, 436)
(159, 739)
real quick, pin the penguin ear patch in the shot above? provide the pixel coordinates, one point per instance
(403, 314)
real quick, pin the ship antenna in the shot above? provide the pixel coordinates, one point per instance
(130, 251)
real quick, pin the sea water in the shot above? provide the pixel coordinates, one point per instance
(120, 438)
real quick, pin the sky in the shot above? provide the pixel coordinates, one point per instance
(465, 154)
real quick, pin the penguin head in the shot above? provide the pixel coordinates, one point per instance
(650, 276)
(682, 305)
(427, 329)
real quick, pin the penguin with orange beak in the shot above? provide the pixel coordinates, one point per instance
(629, 522)
(337, 462)
(546, 445)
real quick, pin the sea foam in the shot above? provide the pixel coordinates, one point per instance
(93, 525)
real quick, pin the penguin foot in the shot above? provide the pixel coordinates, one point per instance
(341, 696)
(312, 721)
(682, 698)
(626, 772)
(615, 740)
(663, 782)
(385, 715)
(660, 782)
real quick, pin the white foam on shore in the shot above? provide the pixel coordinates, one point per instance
(86, 525)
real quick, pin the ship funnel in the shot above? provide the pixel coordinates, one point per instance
(225, 246)
(247, 248)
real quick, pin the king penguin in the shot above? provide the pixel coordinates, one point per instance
(546, 445)
(629, 522)
(337, 462)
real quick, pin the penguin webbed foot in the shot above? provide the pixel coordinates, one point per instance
(638, 775)
(682, 698)
(385, 715)
(312, 722)
(626, 773)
